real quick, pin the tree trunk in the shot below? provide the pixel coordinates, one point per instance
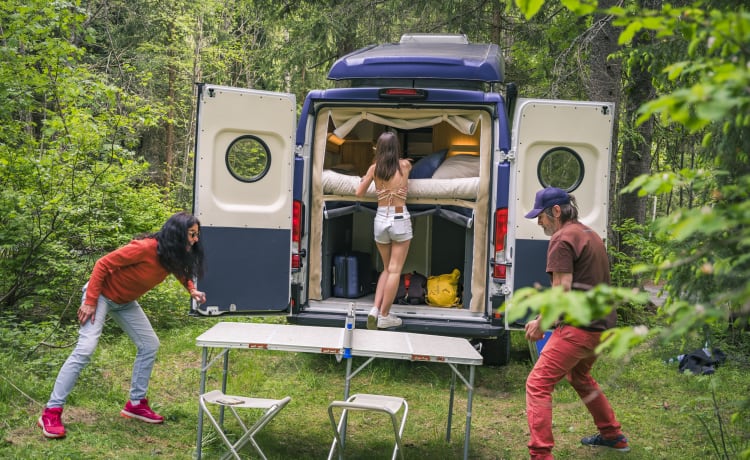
(169, 148)
(605, 84)
(636, 147)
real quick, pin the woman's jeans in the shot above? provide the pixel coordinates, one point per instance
(133, 321)
(569, 353)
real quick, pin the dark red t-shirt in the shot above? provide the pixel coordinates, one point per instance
(579, 250)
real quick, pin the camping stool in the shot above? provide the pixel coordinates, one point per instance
(379, 403)
(271, 407)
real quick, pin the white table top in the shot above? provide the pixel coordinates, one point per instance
(329, 340)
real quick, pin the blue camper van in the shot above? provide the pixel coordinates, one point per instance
(275, 191)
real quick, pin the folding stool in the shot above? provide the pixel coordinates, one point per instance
(391, 405)
(270, 406)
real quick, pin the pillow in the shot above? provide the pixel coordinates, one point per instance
(424, 168)
(458, 166)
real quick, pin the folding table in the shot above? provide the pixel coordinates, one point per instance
(370, 344)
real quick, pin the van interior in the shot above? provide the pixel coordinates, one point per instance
(448, 199)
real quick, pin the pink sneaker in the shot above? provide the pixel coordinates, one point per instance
(51, 423)
(141, 412)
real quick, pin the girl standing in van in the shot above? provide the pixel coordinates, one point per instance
(392, 224)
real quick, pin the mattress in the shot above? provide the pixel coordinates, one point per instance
(342, 185)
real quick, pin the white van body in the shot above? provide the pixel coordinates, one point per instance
(275, 192)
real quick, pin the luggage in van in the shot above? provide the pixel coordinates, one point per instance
(412, 288)
(352, 275)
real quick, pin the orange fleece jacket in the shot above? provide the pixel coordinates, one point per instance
(127, 273)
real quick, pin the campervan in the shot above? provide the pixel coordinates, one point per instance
(275, 187)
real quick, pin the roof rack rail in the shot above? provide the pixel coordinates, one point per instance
(458, 39)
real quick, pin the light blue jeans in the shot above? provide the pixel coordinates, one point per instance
(133, 321)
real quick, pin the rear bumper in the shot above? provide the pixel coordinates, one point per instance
(451, 328)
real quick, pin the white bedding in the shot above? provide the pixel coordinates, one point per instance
(463, 188)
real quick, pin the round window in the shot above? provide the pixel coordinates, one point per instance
(561, 167)
(248, 158)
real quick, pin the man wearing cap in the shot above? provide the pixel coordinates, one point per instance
(576, 259)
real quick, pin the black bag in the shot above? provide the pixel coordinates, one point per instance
(702, 361)
(412, 288)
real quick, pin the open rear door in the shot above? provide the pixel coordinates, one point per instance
(564, 144)
(243, 198)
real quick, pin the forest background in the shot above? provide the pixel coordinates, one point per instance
(97, 134)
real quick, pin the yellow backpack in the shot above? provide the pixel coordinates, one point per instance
(442, 290)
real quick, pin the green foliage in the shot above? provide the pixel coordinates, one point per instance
(703, 258)
(529, 8)
(637, 238)
(73, 187)
(545, 56)
(714, 66)
(578, 308)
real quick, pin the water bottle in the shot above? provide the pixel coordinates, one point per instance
(349, 331)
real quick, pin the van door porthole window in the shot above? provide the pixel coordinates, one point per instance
(248, 158)
(561, 167)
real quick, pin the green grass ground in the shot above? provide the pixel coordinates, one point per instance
(660, 409)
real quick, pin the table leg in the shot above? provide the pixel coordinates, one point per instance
(450, 407)
(202, 389)
(470, 398)
(225, 371)
(348, 378)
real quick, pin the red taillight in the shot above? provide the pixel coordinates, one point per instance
(501, 232)
(402, 93)
(296, 233)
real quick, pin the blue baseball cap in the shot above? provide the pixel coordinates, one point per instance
(547, 197)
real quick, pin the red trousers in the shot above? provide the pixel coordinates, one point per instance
(569, 353)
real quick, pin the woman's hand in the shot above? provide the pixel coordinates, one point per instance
(85, 313)
(199, 296)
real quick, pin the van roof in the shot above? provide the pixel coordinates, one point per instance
(423, 56)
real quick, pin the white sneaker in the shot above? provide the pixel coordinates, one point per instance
(385, 322)
(372, 318)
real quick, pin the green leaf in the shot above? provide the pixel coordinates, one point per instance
(529, 8)
(627, 35)
(619, 341)
(581, 8)
(575, 307)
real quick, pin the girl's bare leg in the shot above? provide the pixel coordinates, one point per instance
(392, 266)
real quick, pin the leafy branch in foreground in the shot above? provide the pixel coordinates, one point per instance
(579, 308)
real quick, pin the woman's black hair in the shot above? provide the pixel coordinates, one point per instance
(172, 247)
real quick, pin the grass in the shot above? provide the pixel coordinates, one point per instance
(658, 407)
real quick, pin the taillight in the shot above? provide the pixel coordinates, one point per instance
(296, 234)
(402, 93)
(501, 233)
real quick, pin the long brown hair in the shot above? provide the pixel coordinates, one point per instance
(387, 155)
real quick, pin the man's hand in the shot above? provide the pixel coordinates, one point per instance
(533, 331)
(86, 312)
(199, 296)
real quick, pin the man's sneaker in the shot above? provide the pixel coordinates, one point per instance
(51, 423)
(141, 412)
(372, 318)
(619, 443)
(385, 322)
